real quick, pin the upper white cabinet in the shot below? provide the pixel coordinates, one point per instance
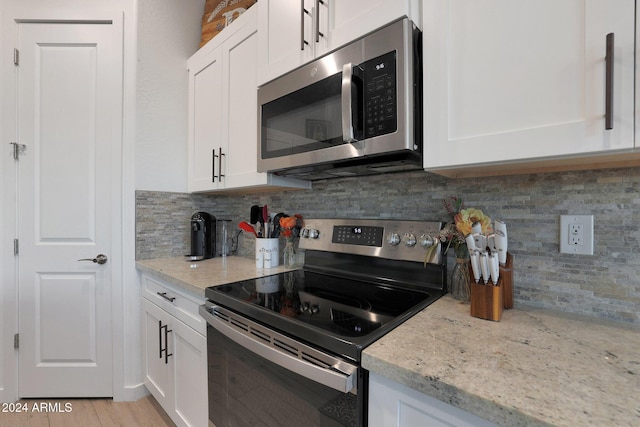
(223, 113)
(293, 33)
(512, 81)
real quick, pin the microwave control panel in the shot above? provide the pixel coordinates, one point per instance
(380, 112)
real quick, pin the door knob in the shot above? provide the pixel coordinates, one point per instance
(99, 259)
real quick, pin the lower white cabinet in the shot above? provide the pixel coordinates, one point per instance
(392, 404)
(174, 353)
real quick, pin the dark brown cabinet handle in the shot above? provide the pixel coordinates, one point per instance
(160, 338)
(166, 344)
(164, 350)
(164, 295)
(220, 165)
(302, 13)
(213, 165)
(608, 102)
(318, 33)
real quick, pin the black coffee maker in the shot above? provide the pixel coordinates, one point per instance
(203, 236)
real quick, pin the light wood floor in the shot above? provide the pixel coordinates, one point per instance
(145, 412)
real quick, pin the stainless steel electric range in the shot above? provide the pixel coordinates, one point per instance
(285, 349)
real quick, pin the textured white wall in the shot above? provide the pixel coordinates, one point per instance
(168, 34)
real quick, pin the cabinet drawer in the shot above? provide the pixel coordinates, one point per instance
(174, 301)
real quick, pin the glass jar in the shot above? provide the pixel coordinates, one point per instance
(289, 254)
(460, 287)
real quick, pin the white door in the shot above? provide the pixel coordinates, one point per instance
(69, 118)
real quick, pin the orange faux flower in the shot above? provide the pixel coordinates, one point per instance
(286, 225)
(467, 217)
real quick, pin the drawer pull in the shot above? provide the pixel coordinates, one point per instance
(164, 295)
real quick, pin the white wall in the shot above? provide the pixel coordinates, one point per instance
(168, 34)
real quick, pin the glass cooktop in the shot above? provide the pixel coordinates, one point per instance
(321, 308)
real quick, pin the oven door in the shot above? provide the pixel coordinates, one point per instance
(260, 377)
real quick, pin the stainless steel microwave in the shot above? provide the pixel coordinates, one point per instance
(354, 111)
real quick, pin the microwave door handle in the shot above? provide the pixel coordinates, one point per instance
(347, 104)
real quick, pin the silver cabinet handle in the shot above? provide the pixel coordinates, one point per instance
(99, 259)
(608, 101)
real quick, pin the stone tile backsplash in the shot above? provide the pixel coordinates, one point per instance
(606, 285)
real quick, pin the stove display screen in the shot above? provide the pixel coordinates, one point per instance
(358, 235)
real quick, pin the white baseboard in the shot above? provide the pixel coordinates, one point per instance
(131, 393)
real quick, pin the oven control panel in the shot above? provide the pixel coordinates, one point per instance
(392, 239)
(358, 235)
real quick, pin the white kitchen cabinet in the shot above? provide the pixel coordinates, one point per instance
(394, 405)
(223, 126)
(517, 85)
(175, 352)
(292, 37)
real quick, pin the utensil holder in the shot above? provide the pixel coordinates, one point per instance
(488, 301)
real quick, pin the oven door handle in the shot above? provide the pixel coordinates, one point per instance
(343, 379)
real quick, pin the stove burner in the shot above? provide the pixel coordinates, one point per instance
(352, 323)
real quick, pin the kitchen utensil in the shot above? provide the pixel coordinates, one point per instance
(247, 227)
(254, 215)
(484, 266)
(276, 224)
(475, 265)
(266, 221)
(501, 241)
(494, 268)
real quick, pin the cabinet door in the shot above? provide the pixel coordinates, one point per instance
(156, 375)
(205, 114)
(394, 405)
(189, 370)
(509, 80)
(344, 21)
(240, 115)
(284, 29)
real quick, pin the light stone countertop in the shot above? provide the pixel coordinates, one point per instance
(534, 367)
(196, 276)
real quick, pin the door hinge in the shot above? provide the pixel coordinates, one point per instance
(16, 341)
(17, 149)
(16, 57)
(16, 247)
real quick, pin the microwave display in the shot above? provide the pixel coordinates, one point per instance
(380, 95)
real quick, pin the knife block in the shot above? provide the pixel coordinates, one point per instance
(488, 301)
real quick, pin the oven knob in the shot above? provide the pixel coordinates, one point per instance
(393, 239)
(409, 239)
(314, 309)
(305, 306)
(304, 233)
(314, 234)
(426, 241)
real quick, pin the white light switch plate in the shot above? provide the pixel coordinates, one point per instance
(576, 234)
